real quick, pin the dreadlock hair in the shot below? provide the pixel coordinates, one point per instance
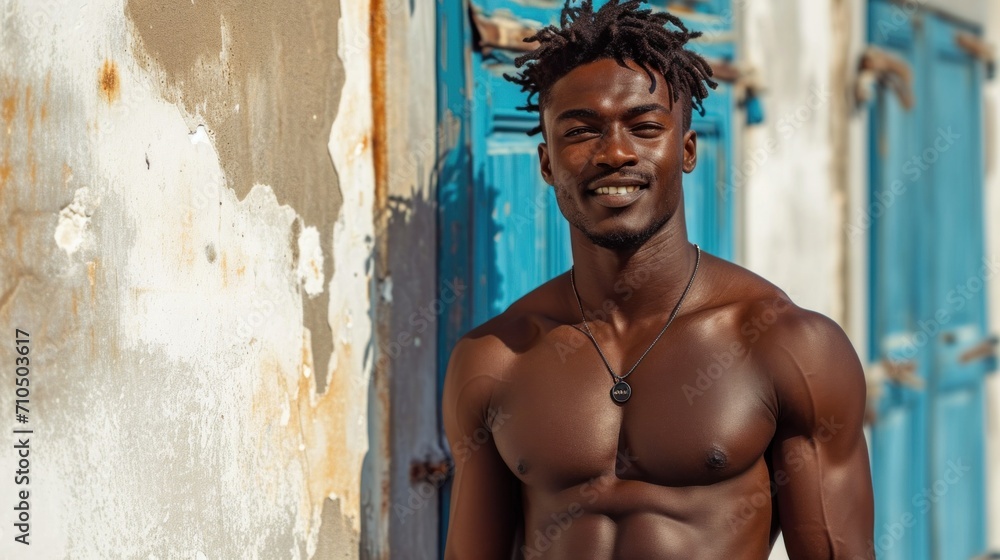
(621, 31)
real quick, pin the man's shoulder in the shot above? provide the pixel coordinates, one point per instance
(811, 362)
(787, 340)
(743, 295)
(490, 348)
(521, 324)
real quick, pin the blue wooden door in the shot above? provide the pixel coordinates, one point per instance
(501, 232)
(957, 466)
(927, 242)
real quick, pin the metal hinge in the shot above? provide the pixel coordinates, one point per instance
(878, 66)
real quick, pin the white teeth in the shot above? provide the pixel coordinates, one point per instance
(617, 190)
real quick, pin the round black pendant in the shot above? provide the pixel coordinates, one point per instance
(621, 392)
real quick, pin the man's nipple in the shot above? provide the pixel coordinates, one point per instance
(717, 459)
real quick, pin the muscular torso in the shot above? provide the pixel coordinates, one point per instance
(747, 402)
(679, 471)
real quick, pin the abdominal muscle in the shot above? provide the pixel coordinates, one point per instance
(608, 518)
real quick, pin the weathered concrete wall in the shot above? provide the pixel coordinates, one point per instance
(187, 193)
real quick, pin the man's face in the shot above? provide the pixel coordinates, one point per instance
(615, 152)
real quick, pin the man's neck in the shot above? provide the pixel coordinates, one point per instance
(638, 286)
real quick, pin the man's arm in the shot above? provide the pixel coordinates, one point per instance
(484, 493)
(820, 458)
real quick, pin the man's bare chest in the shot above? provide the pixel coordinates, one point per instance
(699, 413)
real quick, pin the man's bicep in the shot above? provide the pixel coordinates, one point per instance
(824, 497)
(484, 493)
(820, 457)
(484, 506)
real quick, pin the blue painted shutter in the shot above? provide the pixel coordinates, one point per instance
(957, 413)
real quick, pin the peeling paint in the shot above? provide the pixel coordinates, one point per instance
(200, 136)
(387, 289)
(310, 262)
(73, 221)
(256, 78)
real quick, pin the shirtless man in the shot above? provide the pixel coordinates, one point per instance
(744, 418)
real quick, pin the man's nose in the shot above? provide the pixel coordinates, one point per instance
(615, 149)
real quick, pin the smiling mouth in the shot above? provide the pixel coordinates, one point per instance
(617, 196)
(617, 190)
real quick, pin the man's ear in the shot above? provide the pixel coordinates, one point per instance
(543, 160)
(690, 151)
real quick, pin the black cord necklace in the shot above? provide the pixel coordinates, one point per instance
(622, 391)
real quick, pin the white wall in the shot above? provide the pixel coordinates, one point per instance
(787, 159)
(992, 197)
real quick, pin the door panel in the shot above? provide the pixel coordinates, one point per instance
(708, 191)
(899, 442)
(520, 236)
(525, 241)
(957, 460)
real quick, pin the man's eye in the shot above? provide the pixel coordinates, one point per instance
(577, 131)
(648, 127)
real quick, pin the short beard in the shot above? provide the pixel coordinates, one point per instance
(621, 241)
(625, 241)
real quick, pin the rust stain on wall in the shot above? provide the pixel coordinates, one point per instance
(92, 278)
(43, 111)
(109, 82)
(19, 240)
(266, 83)
(315, 429)
(29, 113)
(5, 172)
(377, 31)
(9, 108)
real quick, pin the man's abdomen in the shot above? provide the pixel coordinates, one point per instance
(610, 518)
